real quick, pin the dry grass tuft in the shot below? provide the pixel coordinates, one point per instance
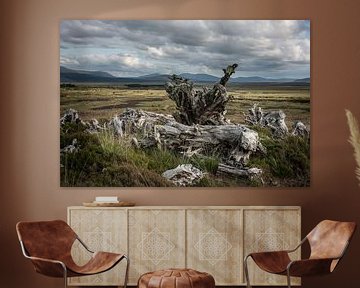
(354, 139)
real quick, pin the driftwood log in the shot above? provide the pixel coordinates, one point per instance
(72, 116)
(184, 175)
(232, 143)
(300, 129)
(200, 106)
(275, 120)
(238, 172)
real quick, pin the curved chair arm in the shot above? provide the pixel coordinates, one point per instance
(298, 246)
(83, 244)
(309, 267)
(47, 260)
(51, 268)
(278, 251)
(39, 258)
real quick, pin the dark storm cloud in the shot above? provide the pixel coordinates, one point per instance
(264, 48)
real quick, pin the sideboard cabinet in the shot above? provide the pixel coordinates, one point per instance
(212, 239)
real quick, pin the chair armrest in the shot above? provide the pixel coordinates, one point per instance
(298, 246)
(271, 261)
(309, 267)
(49, 267)
(84, 245)
(281, 251)
(46, 260)
(268, 253)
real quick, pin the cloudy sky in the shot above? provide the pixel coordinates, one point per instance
(267, 48)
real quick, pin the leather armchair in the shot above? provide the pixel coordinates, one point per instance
(328, 242)
(48, 245)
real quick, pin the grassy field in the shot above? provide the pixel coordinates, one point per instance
(104, 160)
(104, 102)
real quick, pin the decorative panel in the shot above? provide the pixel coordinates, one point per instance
(100, 230)
(270, 230)
(156, 240)
(209, 239)
(214, 241)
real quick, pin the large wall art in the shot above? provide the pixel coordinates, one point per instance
(184, 103)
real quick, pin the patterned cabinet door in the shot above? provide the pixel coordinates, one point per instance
(214, 244)
(269, 230)
(156, 240)
(101, 230)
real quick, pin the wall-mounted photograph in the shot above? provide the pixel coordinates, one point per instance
(187, 103)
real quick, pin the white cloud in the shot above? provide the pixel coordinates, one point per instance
(68, 61)
(111, 59)
(156, 52)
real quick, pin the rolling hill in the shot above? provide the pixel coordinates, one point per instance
(82, 76)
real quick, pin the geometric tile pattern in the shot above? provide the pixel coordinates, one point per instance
(98, 240)
(156, 241)
(270, 230)
(213, 246)
(269, 240)
(156, 246)
(101, 230)
(214, 243)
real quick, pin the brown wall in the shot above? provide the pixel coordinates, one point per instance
(29, 112)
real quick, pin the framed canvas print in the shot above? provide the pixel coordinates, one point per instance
(184, 103)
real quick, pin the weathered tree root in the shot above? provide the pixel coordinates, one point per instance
(200, 106)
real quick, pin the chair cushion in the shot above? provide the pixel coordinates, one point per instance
(176, 278)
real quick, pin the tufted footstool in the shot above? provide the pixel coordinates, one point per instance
(176, 278)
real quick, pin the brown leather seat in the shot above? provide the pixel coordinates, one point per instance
(176, 278)
(328, 242)
(48, 245)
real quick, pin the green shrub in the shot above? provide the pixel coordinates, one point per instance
(287, 161)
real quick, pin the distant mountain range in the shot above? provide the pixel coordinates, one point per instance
(81, 76)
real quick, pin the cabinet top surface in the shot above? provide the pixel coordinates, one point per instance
(192, 207)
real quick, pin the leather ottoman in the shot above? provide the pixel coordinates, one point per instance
(176, 278)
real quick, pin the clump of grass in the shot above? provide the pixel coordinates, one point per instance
(205, 163)
(287, 161)
(128, 175)
(161, 160)
(109, 143)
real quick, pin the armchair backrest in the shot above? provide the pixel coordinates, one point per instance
(46, 239)
(329, 239)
